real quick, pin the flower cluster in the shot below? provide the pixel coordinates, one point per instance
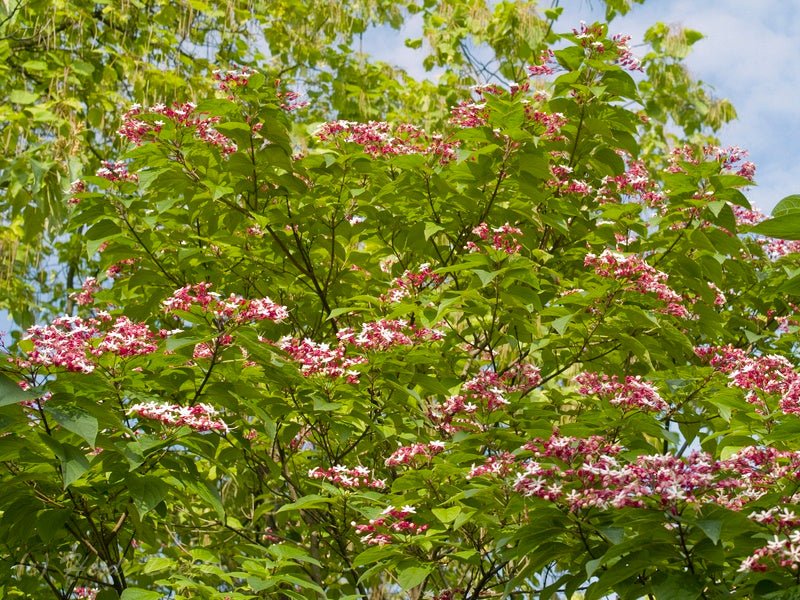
(385, 529)
(499, 466)
(334, 362)
(116, 170)
(289, 100)
(412, 282)
(475, 113)
(633, 393)
(644, 278)
(590, 473)
(127, 338)
(731, 159)
(321, 358)
(116, 269)
(233, 308)
(551, 123)
(384, 334)
(69, 342)
(183, 116)
(379, 139)
(781, 551)
(233, 78)
(625, 57)
(635, 183)
(200, 417)
(768, 374)
(76, 187)
(486, 391)
(88, 289)
(414, 454)
(85, 593)
(502, 238)
(544, 68)
(357, 477)
(563, 182)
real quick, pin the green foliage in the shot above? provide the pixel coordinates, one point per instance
(530, 348)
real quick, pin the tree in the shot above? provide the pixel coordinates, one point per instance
(538, 349)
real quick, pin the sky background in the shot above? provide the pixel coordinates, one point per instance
(750, 55)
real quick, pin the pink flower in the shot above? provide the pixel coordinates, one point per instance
(633, 393)
(200, 417)
(86, 295)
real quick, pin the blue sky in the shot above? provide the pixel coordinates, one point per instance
(749, 56)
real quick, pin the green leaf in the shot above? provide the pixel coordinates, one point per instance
(73, 465)
(784, 227)
(788, 205)
(139, 594)
(678, 586)
(310, 501)
(712, 528)
(432, 229)
(146, 491)
(11, 393)
(412, 576)
(74, 419)
(560, 324)
(372, 554)
(22, 97)
(447, 515)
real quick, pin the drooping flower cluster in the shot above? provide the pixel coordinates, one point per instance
(184, 116)
(502, 238)
(414, 454)
(632, 393)
(379, 138)
(233, 308)
(780, 551)
(769, 374)
(486, 392)
(70, 342)
(643, 278)
(775, 248)
(289, 100)
(412, 283)
(625, 57)
(116, 170)
(200, 417)
(385, 529)
(550, 124)
(339, 475)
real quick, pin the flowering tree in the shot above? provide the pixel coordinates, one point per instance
(535, 352)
